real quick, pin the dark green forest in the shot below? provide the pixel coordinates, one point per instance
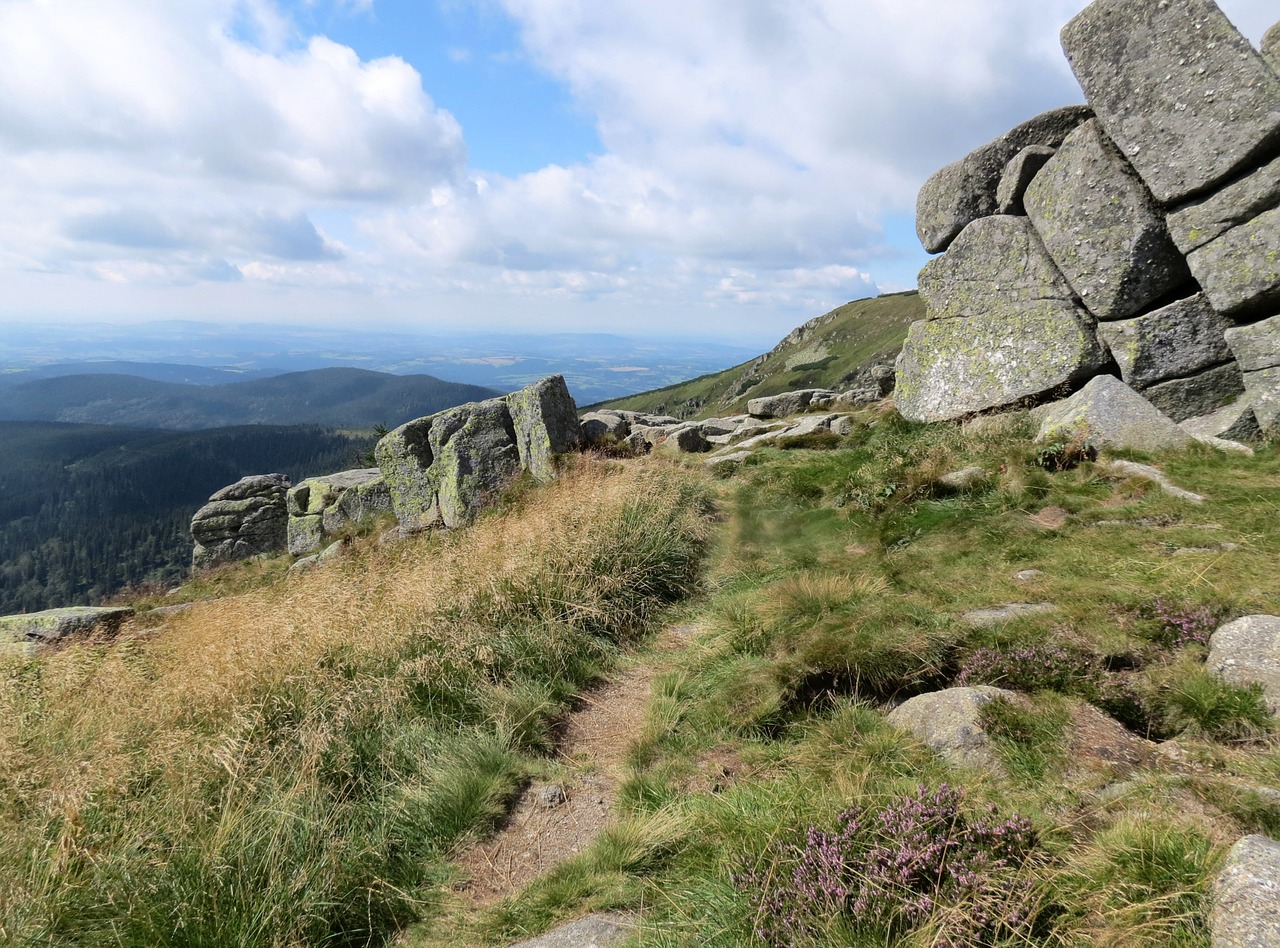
(87, 510)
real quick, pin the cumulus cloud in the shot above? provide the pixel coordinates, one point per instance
(752, 152)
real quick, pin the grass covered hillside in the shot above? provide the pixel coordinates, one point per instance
(825, 352)
(331, 758)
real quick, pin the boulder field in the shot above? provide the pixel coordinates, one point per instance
(1135, 236)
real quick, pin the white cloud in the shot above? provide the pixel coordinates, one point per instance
(752, 153)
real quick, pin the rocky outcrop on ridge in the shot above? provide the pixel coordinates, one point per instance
(321, 507)
(1135, 236)
(442, 469)
(242, 520)
(24, 632)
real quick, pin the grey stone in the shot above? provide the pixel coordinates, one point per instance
(1182, 93)
(786, 404)
(601, 930)
(1233, 422)
(965, 191)
(1193, 225)
(948, 723)
(1263, 391)
(599, 425)
(549, 795)
(1256, 346)
(1247, 651)
(983, 618)
(965, 478)
(305, 564)
(168, 611)
(405, 458)
(1197, 394)
(1148, 473)
(1028, 575)
(330, 553)
(1101, 226)
(1109, 413)
(475, 452)
(305, 534)
(56, 625)
(244, 519)
(1246, 894)
(544, 418)
(1240, 271)
(733, 457)
(689, 439)
(1174, 341)
(1271, 47)
(714, 427)
(1018, 174)
(996, 263)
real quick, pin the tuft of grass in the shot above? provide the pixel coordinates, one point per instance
(1028, 738)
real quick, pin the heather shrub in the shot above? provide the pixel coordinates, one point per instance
(1178, 626)
(1042, 666)
(883, 873)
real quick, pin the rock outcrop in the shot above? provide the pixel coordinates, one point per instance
(321, 507)
(55, 625)
(1247, 651)
(949, 723)
(242, 520)
(442, 469)
(1152, 218)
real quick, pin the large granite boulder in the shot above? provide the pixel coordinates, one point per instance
(787, 403)
(245, 519)
(1199, 222)
(966, 190)
(545, 420)
(1184, 95)
(1101, 226)
(1240, 271)
(56, 625)
(949, 723)
(321, 507)
(598, 426)
(1003, 326)
(1108, 413)
(1257, 349)
(443, 469)
(1233, 422)
(1246, 896)
(1198, 394)
(1247, 651)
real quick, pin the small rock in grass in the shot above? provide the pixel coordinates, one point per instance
(1247, 651)
(1148, 473)
(1028, 575)
(1246, 895)
(981, 618)
(947, 722)
(550, 795)
(601, 930)
(965, 478)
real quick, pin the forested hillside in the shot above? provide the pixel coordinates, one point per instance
(336, 397)
(85, 510)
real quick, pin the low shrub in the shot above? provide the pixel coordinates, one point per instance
(884, 873)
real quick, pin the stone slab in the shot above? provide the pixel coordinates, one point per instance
(1240, 271)
(1256, 346)
(1233, 422)
(1247, 651)
(1102, 228)
(601, 930)
(1199, 394)
(1263, 391)
(1108, 413)
(1193, 225)
(1246, 894)
(1176, 340)
(1018, 175)
(54, 625)
(1184, 95)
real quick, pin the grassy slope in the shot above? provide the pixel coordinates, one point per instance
(825, 352)
(398, 698)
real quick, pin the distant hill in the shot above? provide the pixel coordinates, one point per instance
(157, 371)
(85, 510)
(336, 397)
(826, 352)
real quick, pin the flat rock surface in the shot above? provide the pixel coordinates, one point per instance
(1195, 224)
(981, 618)
(1263, 391)
(1102, 228)
(1199, 394)
(1240, 271)
(1246, 651)
(1256, 346)
(1233, 422)
(594, 931)
(1246, 896)
(1184, 95)
(965, 190)
(1109, 413)
(1018, 174)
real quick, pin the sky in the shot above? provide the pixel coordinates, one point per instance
(711, 168)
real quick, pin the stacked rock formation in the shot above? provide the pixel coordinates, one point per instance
(1138, 236)
(242, 520)
(442, 469)
(321, 507)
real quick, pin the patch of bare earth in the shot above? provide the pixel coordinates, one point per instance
(552, 823)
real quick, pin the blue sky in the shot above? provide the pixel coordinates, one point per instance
(714, 168)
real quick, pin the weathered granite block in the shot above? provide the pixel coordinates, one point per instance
(1101, 226)
(1177, 340)
(1184, 95)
